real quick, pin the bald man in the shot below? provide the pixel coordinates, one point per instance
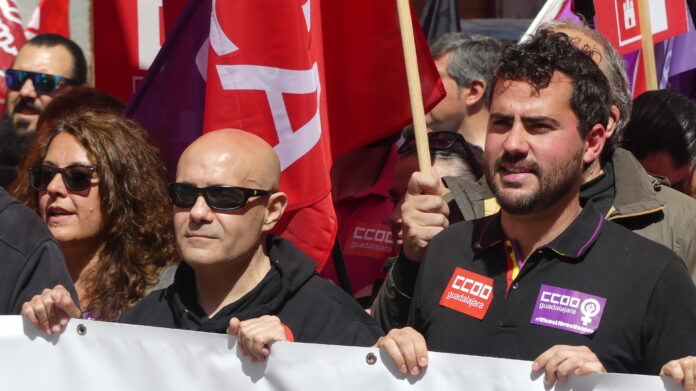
(236, 277)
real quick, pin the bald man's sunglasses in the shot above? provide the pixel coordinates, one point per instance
(223, 198)
(44, 83)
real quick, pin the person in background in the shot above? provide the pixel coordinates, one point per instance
(451, 156)
(46, 64)
(360, 190)
(466, 63)
(662, 136)
(100, 188)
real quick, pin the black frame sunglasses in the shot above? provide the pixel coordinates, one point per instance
(76, 177)
(446, 141)
(44, 83)
(224, 198)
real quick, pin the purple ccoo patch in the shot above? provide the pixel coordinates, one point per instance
(568, 310)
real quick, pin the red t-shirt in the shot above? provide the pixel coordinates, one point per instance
(364, 232)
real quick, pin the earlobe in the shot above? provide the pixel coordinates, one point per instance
(474, 92)
(614, 117)
(277, 203)
(594, 143)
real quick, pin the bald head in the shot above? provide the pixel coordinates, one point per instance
(235, 156)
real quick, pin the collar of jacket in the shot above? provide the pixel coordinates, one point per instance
(635, 189)
(290, 270)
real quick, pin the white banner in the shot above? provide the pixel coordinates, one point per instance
(92, 355)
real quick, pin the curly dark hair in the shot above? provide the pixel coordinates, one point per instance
(139, 241)
(535, 61)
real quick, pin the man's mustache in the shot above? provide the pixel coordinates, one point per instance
(26, 105)
(517, 159)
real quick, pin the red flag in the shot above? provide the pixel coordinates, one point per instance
(11, 40)
(301, 75)
(50, 16)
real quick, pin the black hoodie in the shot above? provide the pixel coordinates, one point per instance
(314, 309)
(30, 258)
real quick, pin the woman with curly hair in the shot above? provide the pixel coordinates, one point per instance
(100, 187)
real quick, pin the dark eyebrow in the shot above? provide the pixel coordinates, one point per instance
(542, 118)
(503, 117)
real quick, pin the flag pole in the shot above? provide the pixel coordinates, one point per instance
(648, 47)
(414, 86)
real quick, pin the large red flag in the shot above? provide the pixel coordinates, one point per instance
(11, 40)
(303, 76)
(50, 16)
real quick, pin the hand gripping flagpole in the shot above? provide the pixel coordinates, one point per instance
(414, 86)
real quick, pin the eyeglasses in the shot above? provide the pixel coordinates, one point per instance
(447, 141)
(44, 83)
(76, 177)
(437, 141)
(223, 198)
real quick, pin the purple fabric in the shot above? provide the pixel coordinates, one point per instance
(169, 102)
(567, 13)
(675, 60)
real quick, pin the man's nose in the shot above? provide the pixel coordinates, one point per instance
(27, 89)
(200, 211)
(516, 140)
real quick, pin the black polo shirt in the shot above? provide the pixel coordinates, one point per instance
(628, 299)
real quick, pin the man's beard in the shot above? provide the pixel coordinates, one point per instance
(554, 183)
(13, 144)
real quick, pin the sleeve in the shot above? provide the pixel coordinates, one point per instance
(686, 247)
(391, 305)
(670, 319)
(44, 268)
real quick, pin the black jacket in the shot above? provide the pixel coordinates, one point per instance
(30, 259)
(314, 309)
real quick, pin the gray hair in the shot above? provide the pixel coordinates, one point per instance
(472, 57)
(613, 67)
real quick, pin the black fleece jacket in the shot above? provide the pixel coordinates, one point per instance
(30, 258)
(315, 310)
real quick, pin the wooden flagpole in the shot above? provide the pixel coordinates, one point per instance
(648, 47)
(414, 85)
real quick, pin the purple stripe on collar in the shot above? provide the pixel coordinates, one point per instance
(483, 233)
(598, 228)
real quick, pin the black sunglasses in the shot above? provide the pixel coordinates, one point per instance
(223, 198)
(44, 83)
(446, 141)
(76, 177)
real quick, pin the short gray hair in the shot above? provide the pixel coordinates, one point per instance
(613, 67)
(472, 57)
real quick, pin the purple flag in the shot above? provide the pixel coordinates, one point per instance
(169, 102)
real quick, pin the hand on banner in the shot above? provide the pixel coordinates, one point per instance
(562, 360)
(683, 371)
(51, 310)
(254, 335)
(424, 213)
(407, 349)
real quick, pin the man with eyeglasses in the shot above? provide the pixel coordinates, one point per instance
(44, 65)
(236, 277)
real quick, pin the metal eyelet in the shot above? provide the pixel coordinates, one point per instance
(371, 359)
(81, 329)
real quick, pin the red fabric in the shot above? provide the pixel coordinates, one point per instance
(303, 76)
(50, 16)
(364, 232)
(288, 333)
(12, 41)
